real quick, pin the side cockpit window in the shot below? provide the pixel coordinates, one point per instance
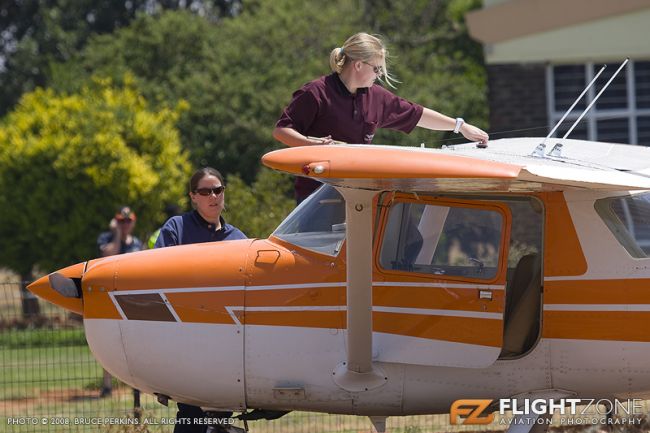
(442, 240)
(317, 224)
(628, 218)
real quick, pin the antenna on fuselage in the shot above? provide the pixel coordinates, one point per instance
(539, 150)
(596, 98)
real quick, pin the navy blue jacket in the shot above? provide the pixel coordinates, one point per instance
(191, 228)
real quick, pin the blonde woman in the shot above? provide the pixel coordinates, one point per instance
(348, 106)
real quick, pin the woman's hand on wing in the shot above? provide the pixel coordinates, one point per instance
(313, 141)
(472, 133)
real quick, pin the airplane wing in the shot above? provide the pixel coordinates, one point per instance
(506, 165)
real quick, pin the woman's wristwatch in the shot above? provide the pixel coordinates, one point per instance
(459, 124)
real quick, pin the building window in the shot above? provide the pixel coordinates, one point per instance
(621, 114)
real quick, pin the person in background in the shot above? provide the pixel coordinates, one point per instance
(118, 239)
(203, 224)
(348, 106)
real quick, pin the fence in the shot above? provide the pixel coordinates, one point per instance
(50, 382)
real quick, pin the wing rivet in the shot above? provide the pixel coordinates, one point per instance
(358, 207)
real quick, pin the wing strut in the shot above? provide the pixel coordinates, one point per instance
(358, 373)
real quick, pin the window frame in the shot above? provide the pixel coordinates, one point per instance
(388, 202)
(618, 228)
(339, 254)
(631, 113)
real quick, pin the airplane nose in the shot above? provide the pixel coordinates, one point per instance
(62, 287)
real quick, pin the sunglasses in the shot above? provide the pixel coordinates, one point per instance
(376, 69)
(124, 220)
(217, 190)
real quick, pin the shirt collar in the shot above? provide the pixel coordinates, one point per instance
(208, 225)
(340, 86)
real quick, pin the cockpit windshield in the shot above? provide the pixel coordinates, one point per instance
(317, 224)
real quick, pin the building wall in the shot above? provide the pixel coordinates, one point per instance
(611, 39)
(561, 31)
(517, 95)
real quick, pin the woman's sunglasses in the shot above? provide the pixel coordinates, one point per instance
(207, 191)
(378, 70)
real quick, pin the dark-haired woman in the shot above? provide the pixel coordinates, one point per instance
(204, 223)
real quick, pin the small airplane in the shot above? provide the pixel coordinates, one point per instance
(413, 278)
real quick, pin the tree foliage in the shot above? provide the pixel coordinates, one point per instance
(37, 34)
(237, 75)
(68, 161)
(259, 208)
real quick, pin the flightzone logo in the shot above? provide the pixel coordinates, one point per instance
(471, 412)
(526, 411)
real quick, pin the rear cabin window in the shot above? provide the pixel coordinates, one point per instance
(628, 218)
(442, 240)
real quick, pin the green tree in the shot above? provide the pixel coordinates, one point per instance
(259, 208)
(37, 34)
(67, 161)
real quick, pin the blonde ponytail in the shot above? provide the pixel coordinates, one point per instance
(337, 59)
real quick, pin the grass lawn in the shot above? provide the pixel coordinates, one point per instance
(28, 372)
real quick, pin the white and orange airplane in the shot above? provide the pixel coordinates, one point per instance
(413, 278)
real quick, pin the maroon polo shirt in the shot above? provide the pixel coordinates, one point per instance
(326, 107)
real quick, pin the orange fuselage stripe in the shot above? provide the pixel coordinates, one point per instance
(600, 325)
(437, 297)
(211, 307)
(485, 332)
(597, 325)
(632, 291)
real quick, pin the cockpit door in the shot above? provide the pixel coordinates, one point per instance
(439, 286)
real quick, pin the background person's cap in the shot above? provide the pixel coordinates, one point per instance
(125, 213)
